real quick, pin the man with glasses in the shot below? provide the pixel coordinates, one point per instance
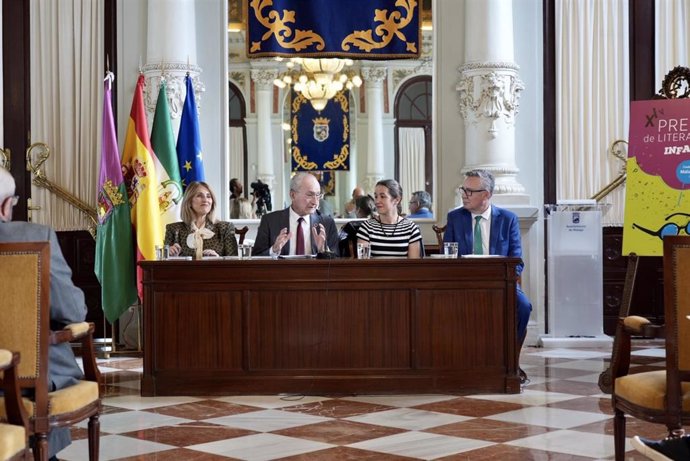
(420, 205)
(481, 228)
(300, 229)
(66, 300)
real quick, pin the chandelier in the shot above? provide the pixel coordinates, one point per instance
(318, 80)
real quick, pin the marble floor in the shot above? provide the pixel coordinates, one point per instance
(560, 415)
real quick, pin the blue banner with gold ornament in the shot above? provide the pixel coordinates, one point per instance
(367, 29)
(320, 140)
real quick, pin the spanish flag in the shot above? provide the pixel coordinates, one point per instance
(138, 167)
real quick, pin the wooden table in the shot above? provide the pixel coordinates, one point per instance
(345, 326)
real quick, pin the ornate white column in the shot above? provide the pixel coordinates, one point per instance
(489, 91)
(170, 55)
(373, 76)
(263, 79)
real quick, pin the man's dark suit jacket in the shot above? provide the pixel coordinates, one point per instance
(272, 223)
(504, 236)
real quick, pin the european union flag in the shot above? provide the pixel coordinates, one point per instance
(189, 140)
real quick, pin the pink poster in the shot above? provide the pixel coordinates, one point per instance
(658, 175)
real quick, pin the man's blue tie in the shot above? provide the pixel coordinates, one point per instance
(477, 244)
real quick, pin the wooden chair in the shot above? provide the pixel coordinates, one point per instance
(241, 232)
(661, 397)
(13, 433)
(439, 230)
(25, 309)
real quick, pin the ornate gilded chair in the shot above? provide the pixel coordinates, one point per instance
(13, 432)
(25, 288)
(661, 397)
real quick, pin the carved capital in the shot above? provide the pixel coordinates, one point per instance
(264, 76)
(373, 74)
(370, 182)
(506, 179)
(489, 91)
(174, 75)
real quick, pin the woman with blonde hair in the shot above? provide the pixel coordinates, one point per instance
(199, 233)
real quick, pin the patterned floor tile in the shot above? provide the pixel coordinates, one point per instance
(267, 420)
(339, 432)
(186, 434)
(408, 418)
(549, 417)
(492, 431)
(260, 447)
(337, 408)
(470, 407)
(561, 415)
(421, 445)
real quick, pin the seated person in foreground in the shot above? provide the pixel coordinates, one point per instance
(420, 205)
(300, 229)
(348, 233)
(390, 235)
(199, 233)
(67, 303)
(485, 229)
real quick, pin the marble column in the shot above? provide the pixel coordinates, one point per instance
(171, 55)
(263, 80)
(489, 91)
(373, 78)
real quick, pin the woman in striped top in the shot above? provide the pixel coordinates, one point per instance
(389, 234)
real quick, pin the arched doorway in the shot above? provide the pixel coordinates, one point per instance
(413, 151)
(237, 134)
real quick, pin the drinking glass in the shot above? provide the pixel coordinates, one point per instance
(450, 249)
(363, 251)
(245, 251)
(162, 252)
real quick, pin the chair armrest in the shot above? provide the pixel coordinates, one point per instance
(83, 333)
(14, 409)
(72, 332)
(640, 326)
(628, 327)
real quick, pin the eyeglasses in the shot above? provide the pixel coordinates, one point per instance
(469, 192)
(670, 228)
(313, 195)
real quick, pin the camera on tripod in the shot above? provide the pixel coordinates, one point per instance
(263, 197)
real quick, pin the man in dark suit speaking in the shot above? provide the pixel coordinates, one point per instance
(481, 228)
(299, 229)
(66, 301)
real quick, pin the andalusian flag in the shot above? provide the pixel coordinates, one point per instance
(163, 144)
(189, 140)
(114, 266)
(141, 178)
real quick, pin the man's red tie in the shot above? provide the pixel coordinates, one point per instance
(299, 239)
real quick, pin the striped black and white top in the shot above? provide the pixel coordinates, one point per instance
(389, 240)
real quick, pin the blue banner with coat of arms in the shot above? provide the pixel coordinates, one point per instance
(368, 29)
(320, 140)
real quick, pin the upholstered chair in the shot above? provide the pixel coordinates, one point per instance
(663, 396)
(25, 309)
(13, 431)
